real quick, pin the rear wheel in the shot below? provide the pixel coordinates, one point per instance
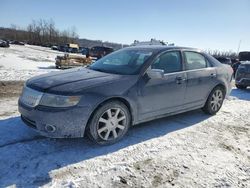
(241, 86)
(214, 101)
(109, 123)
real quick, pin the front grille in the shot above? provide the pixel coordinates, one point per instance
(29, 122)
(245, 81)
(247, 68)
(247, 75)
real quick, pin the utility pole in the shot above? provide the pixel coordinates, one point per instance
(239, 47)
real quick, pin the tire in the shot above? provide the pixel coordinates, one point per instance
(214, 101)
(109, 123)
(240, 86)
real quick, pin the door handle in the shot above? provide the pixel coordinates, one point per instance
(180, 80)
(213, 75)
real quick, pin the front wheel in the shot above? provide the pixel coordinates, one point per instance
(214, 101)
(109, 123)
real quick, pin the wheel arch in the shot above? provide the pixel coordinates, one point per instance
(120, 99)
(222, 86)
(217, 85)
(206, 108)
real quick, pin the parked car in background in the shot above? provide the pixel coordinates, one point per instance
(84, 51)
(244, 56)
(72, 48)
(4, 43)
(54, 47)
(151, 42)
(242, 78)
(62, 48)
(224, 60)
(124, 88)
(98, 52)
(235, 65)
(17, 43)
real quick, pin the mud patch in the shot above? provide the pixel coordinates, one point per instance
(227, 147)
(10, 88)
(5, 114)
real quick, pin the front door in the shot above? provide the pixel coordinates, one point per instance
(157, 96)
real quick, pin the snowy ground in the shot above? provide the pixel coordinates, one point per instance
(187, 150)
(23, 62)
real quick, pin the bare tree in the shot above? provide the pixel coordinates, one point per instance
(41, 32)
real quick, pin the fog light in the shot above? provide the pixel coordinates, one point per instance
(50, 128)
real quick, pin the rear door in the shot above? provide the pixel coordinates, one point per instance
(201, 77)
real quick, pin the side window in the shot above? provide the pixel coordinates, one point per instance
(195, 61)
(169, 62)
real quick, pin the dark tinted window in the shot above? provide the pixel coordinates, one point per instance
(244, 56)
(224, 60)
(194, 60)
(101, 49)
(169, 62)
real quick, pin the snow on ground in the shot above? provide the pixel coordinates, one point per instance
(187, 150)
(23, 62)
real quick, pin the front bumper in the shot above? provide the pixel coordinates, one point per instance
(55, 122)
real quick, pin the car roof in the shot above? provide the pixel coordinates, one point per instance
(245, 62)
(162, 47)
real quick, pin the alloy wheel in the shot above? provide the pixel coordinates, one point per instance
(111, 124)
(216, 100)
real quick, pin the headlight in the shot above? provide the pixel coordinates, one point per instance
(59, 100)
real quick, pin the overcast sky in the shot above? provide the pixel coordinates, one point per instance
(205, 24)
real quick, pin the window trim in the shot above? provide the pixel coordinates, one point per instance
(187, 71)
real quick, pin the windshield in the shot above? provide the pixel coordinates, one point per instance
(244, 56)
(125, 61)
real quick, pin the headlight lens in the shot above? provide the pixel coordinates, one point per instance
(59, 100)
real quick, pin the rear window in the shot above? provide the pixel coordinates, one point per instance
(244, 56)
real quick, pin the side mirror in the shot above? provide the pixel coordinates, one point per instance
(155, 73)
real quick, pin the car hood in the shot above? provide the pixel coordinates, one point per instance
(245, 62)
(80, 77)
